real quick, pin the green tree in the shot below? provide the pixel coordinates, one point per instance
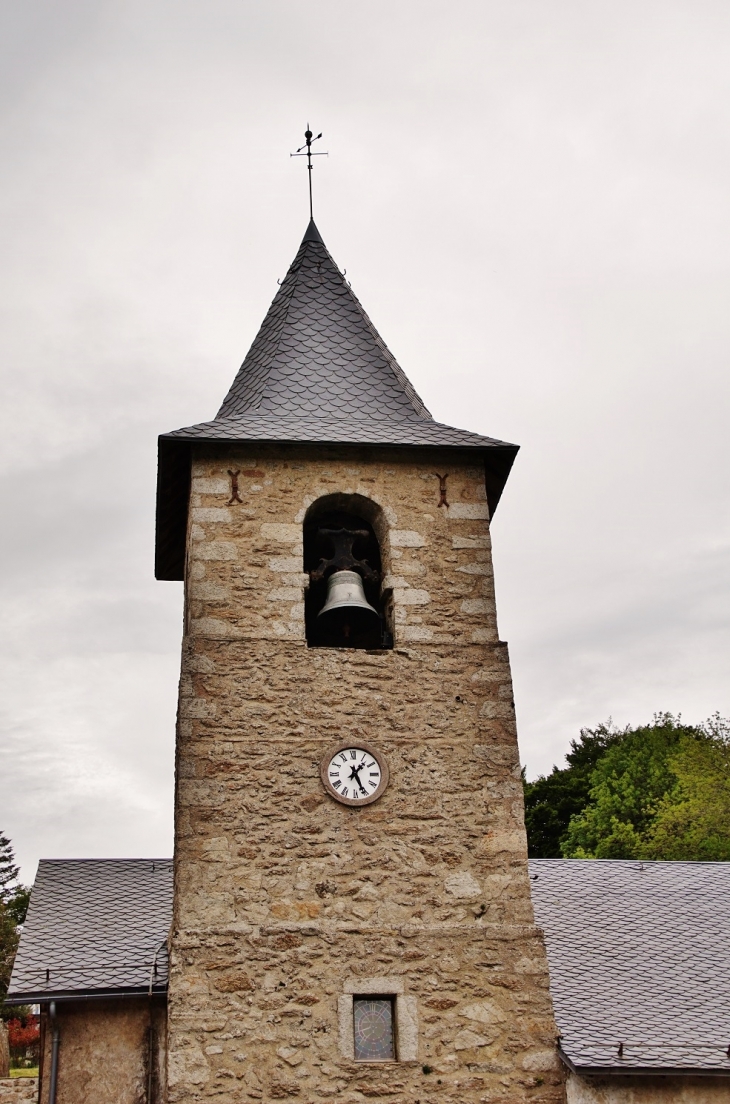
(14, 900)
(8, 867)
(692, 820)
(645, 790)
(9, 938)
(626, 785)
(656, 791)
(551, 800)
(17, 904)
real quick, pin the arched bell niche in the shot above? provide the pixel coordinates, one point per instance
(344, 606)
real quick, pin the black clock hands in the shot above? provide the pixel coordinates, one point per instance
(355, 775)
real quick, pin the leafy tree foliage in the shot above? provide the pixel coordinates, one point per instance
(9, 938)
(551, 800)
(692, 820)
(14, 900)
(658, 791)
(23, 1038)
(627, 784)
(8, 867)
(23, 1032)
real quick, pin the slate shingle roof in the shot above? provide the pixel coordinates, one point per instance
(317, 353)
(639, 954)
(94, 926)
(317, 372)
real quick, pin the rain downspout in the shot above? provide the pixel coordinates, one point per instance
(150, 1029)
(55, 1039)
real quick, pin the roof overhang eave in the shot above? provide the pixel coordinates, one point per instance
(65, 995)
(641, 1071)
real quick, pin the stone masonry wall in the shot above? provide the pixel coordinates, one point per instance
(18, 1090)
(286, 901)
(14, 1090)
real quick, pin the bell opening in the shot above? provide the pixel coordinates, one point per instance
(351, 628)
(343, 606)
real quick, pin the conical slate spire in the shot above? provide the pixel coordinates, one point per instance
(318, 355)
(318, 373)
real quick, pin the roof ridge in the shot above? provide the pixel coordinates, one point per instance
(108, 862)
(413, 397)
(661, 863)
(294, 270)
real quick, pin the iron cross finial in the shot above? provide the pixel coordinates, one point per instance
(308, 140)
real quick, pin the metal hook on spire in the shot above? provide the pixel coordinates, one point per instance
(308, 140)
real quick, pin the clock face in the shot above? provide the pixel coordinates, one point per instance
(354, 773)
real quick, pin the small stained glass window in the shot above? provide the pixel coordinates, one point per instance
(374, 1028)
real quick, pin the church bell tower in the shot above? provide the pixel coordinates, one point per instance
(352, 915)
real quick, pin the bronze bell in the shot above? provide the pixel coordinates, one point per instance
(347, 611)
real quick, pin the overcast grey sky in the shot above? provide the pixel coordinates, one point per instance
(531, 201)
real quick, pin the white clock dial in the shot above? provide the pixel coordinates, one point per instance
(355, 773)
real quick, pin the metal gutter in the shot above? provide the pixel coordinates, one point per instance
(642, 1071)
(151, 1027)
(64, 996)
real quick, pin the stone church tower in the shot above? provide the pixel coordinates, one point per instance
(352, 913)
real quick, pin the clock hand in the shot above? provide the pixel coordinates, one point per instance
(355, 774)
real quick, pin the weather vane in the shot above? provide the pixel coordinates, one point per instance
(309, 155)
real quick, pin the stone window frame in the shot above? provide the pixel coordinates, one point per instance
(406, 1017)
